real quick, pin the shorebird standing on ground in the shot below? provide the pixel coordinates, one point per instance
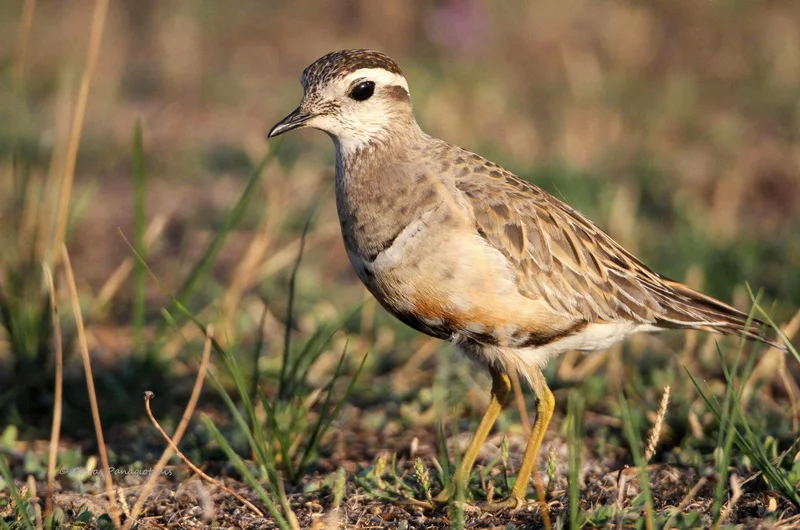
(459, 248)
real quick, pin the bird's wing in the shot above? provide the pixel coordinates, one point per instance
(563, 259)
(557, 254)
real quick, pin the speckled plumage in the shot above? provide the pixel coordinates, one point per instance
(463, 250)
(557, 259)
(336, 64)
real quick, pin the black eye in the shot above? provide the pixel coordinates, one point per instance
(363, 91)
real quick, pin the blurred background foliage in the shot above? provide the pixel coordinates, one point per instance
(674, 125)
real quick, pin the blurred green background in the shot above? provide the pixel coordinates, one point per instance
(674, 125)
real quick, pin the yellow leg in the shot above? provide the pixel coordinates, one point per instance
(501, 387)
(545, 405)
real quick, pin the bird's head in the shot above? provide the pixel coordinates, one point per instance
(358, 97)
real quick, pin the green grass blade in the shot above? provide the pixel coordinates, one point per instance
(257, 445)
(237, 461)
(638, 459)
(315, 432)
(768, 319)
(202, 266)
(322, 426)
(312, 351)
(287, 378)
(257, 347)
(228, 224)
(283, 443)
(444, 455)
(287, 334)
(272, 438)
(749, 442)
(574, 422)
(255, 432)
(22, 504)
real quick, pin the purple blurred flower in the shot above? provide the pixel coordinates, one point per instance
(459, 25)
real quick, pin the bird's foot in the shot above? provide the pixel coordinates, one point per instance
(415, 503)
(509, 503)
(441, 500)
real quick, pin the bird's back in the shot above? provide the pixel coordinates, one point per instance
(458, 247)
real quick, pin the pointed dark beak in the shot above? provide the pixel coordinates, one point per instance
(294, 120)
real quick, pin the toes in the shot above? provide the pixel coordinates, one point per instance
(443, 497)
(511, 503)
(414, 503)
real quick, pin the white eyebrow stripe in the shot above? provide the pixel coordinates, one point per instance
(379, 75)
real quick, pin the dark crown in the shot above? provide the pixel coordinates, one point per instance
(343, 62)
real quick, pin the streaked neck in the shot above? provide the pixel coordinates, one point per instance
(388, 142)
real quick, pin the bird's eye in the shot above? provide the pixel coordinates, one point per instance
(363, 91)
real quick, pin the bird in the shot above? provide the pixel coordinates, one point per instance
(461, 249)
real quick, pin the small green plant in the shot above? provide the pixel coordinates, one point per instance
(339, 488)
(575, 441)
(423, 478)
(736, 430)
(272, 425)
(504, 453)
(25, 321)
(631, 429)
(551, 470)
(271, 439)
(386, 481)
(18, 502)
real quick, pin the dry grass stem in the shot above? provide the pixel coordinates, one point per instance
(773, 364)
(179, 431)
(656, 434)
(147, 397)
(692, 493)
(58, 392)
(288, 254)
(123, 503)
(622, 491)
(287, 509)
(47, 206)
(123, 271)
(542, 497)
(589, 365)
(245, 275)
(87, 366)
(368, 316)
(425, 350)
(790, 523)
(37, 509)
(686, 500)
(519, 400)
(95, 38)
(566, 367)
(23, 37)
(736, 494)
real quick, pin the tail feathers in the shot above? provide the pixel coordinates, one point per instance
(687, 309)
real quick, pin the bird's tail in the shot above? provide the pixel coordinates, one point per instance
(687, 308)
